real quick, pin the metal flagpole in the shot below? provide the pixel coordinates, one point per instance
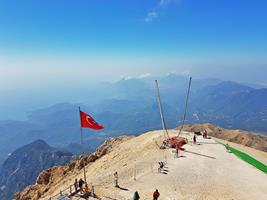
(160, 109)
(186, 104)
(81, 129)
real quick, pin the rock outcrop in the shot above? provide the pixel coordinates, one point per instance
(23, 166)
(52, 175)
(246, 138)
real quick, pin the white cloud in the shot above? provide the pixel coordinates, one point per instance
(156, 11)
(164, 3)
(128, 78)
(185, 73)
(144, 75)
(151, 16)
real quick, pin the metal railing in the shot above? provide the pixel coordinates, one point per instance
(139, 170)
(70, 189)
(61, 192)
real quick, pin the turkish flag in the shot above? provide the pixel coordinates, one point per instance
(88, 122)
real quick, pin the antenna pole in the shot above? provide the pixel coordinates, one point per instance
(161, 110)
(186, 105)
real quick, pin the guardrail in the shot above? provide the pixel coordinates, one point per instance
(70, 190)
(135, 173)
(62, 191)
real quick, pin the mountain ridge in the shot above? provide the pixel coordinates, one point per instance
(138, 152)
(24, 164)
(59, 124)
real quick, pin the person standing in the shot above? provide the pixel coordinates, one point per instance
(227, 147)
(76, 185)
(195, 139)
(156, 195)
(80, 183)
(86, 193)
(136, 196)
(116, 179)
(205, 134)
(86, 188)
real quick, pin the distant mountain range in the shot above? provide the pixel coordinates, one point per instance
(23, 166)
(129, 106)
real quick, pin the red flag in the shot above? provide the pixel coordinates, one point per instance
(88, 122)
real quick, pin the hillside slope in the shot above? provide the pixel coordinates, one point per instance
(245, 138)
(23, 166)
(204, 171)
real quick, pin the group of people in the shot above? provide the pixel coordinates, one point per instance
(82, 187)
(136, 196)
(204, 134)
(156, 195)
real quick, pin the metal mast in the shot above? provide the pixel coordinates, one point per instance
(186, 105)
(161, 110)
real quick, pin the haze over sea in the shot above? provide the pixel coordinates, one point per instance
(53, 51)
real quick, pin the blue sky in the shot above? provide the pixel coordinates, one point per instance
(152, 27)
(68, 43)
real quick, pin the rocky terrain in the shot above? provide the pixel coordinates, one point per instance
(49, 177)
(23, 166)
(136, 159)
(245, 138)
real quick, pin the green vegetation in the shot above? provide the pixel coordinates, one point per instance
(249, 159)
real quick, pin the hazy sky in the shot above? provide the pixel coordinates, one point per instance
(71, 43)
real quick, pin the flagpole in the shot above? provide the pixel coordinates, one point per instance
(81, 130)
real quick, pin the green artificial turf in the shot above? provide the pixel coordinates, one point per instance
(247, 158)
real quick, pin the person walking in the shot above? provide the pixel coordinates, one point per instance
(156, 195)
(136, 196)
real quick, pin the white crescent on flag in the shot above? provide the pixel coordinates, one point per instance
(89, 120)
